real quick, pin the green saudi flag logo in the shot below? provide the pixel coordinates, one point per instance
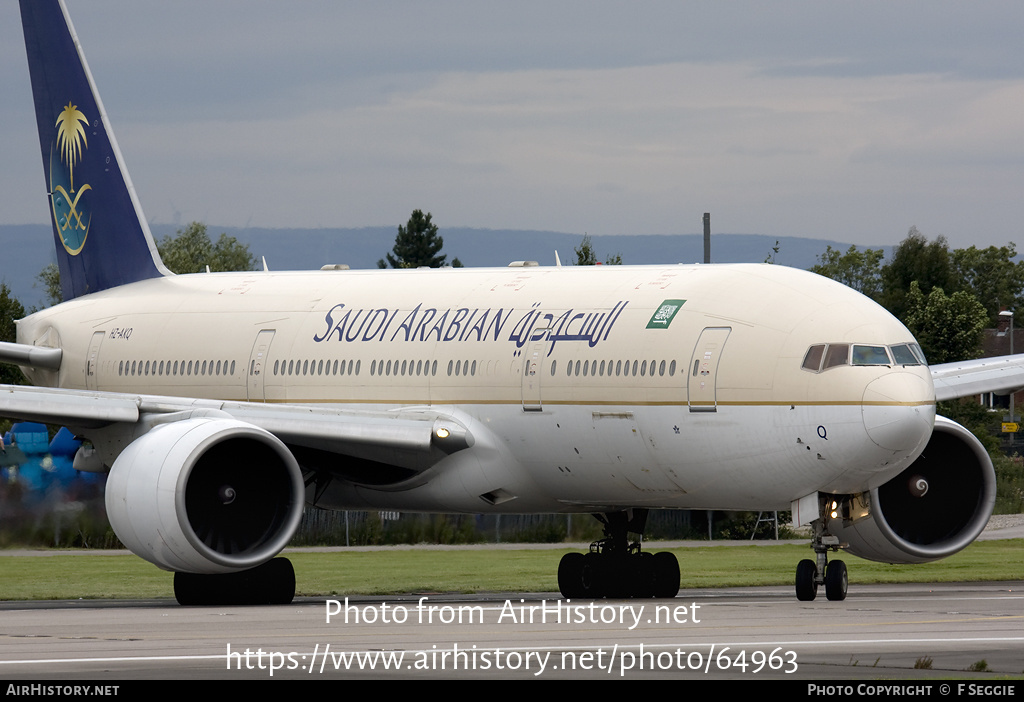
(662, 317)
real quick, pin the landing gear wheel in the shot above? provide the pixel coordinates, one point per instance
(806, 580)
(270, 583)
(666, 574)
(836, 581)
(570, 575)
(593, 580)
(617, 567)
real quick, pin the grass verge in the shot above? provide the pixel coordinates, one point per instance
(89, 576)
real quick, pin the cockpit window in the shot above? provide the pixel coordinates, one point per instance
(812, 361)
(904, 356)
(837, 355)
(821, 357)
(919, 353)
(870, 356)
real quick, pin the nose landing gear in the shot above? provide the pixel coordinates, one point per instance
(810, 574)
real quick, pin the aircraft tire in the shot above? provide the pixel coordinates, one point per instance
(270, 583)
(836, 581)
(594, 578)
(645, 577)
(806, 580)
(666, 574)
(570, 576)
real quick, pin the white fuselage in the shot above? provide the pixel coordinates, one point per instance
(585, 388)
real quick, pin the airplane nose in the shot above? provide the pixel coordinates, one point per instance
(898, 411)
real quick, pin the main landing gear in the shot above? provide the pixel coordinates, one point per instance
(270, 583)
(810, 574)
(614, 567)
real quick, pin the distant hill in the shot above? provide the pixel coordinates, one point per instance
(26, 249)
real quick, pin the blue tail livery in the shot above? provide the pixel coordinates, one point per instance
(101, 235)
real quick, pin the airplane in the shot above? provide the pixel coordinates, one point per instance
(219, 404)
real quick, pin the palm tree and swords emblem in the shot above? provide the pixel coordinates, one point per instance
(72, 221)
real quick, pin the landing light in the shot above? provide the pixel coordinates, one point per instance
(442, 433)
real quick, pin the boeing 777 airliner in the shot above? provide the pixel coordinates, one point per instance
(221, 404)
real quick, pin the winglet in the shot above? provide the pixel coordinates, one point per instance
(101, 235)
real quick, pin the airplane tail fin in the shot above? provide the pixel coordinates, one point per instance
(101, 235)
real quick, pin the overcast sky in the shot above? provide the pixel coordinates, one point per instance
(847, 121)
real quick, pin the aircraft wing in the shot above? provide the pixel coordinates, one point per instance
(413, 438)
(1001, 374)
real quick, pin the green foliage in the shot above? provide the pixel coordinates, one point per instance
(10, 310)
(1009, 483)
(860, 270)
(585, 255)
(975, 417)
(992, 276)
(936, 292)
(915, 259)
(191, 251)
(949, 328)
(741, 526)
(417, 245)
(985, 425)
(188, 251)
(49, 278)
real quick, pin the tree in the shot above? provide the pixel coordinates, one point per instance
(585, 255)
(49, 278)
(188, 251)
(948, 327)
(10, 310)
(930, 264)
(417, 245)
(992, 276)
(860, 270)
(191, 251)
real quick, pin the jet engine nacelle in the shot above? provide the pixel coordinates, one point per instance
(205, 495)
(933, 509)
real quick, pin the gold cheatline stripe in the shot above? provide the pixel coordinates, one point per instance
(611, 403)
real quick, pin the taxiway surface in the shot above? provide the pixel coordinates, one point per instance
(879, 631)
